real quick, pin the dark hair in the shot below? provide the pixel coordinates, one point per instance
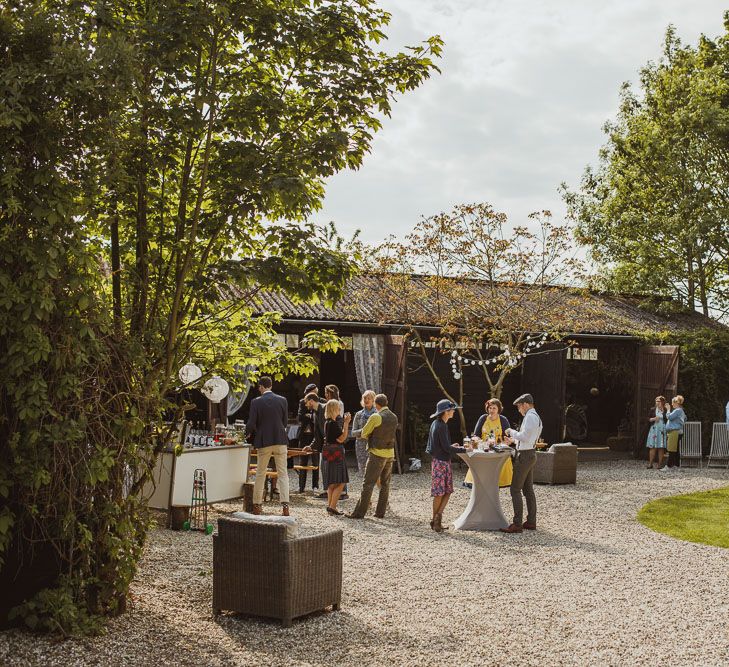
(332, 390)
(265, 382)
(381, 400)
(311, 397)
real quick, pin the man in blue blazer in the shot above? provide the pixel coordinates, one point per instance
(268, 421)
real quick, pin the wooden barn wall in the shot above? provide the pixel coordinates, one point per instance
(423, 393)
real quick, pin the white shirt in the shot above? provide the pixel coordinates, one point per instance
(531, 429)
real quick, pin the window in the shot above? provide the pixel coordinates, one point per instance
(291, 341)
(582, 353)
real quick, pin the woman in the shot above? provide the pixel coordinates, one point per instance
(493, 425)
(674, 429)
(335, 467)
(360, 419)
(331, 393)
(440, 449)
(656, 441)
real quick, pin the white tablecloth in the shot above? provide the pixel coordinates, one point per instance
(483, 511)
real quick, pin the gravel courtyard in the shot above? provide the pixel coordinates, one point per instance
(590, 587)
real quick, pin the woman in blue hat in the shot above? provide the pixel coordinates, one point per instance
(440, 449)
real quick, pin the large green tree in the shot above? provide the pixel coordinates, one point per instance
(655, 210)
(158, 165)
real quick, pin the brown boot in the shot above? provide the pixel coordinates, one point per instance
(257, 509)
(284, 509)
(438, 523)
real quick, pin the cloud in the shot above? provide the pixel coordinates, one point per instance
(526, 88)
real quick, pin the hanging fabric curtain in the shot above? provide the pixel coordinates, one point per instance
(369, 353)
(236, 399)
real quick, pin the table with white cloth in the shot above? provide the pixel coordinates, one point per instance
(483, 511)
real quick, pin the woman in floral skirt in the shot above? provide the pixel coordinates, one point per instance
(440, 449)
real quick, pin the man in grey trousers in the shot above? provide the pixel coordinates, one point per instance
(526, 456)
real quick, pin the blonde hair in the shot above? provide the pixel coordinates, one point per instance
(368, 394)
(331, 409)
(678, 399)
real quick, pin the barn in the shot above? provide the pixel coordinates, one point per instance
(596, 384)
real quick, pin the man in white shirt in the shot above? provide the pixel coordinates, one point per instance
(526, 456)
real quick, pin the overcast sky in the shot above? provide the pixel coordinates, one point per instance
(525, 89)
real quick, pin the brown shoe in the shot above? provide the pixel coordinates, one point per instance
(529, 526)
(257, 509)
(284, 509)
(512, 528)
(379, 516)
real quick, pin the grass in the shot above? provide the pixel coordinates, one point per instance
(694, 517)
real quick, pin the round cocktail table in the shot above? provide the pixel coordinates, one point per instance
(483, 511)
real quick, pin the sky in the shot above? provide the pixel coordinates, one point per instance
(525, 90)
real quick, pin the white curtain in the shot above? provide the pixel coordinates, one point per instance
(369, 353)
(236, 399)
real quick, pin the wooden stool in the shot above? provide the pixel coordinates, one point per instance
(268, 488)
(299, 468)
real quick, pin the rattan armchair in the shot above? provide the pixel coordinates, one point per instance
(558, 465)
(257, 570)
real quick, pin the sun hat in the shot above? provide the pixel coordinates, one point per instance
(443, 405)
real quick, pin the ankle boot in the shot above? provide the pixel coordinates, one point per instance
(257, 509)
(438, 523)
(284, 509)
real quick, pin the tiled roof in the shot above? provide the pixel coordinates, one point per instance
(588, 312)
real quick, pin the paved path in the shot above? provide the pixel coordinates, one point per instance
(590, 587)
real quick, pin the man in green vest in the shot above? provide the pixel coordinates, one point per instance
(379, 431)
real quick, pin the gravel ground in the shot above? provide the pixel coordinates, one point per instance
(590, 587)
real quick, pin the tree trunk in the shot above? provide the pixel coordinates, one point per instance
(701, 272)
(691, 296)
(116, 271)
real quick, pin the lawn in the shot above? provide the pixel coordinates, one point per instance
(696, 517)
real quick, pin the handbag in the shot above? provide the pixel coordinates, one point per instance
(333, 453)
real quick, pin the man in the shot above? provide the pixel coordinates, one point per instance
(311, 435)
(379, 431)
(526, 456)
(267, 422)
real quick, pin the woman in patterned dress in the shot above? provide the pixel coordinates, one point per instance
(657, 433)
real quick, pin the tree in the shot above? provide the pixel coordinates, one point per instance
(654, 212)
(159, 163)
(495, 294)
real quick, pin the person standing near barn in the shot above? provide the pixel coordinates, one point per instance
(674, 431)
(441, 450)
(380, 432)
(267, 422)
(526, 457)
